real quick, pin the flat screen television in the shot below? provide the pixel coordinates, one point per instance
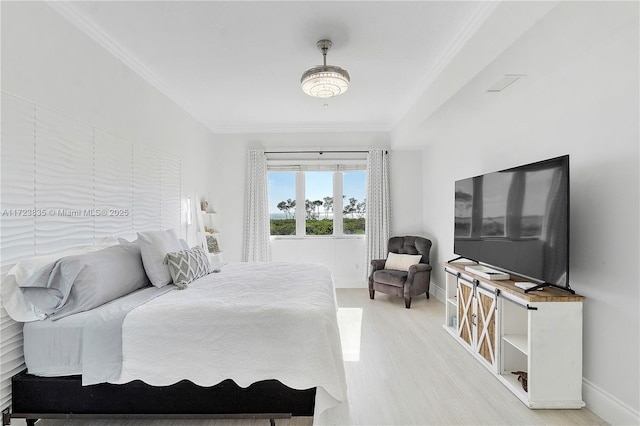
(517, 220)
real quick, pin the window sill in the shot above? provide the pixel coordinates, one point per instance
(317, 237)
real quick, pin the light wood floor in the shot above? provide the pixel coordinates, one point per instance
(409, 372)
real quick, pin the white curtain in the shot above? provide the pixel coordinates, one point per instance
(378, 222)
(257, 247)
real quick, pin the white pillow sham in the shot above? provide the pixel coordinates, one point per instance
(154, 247)
(401, 262)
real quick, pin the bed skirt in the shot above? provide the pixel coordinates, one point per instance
(35, 397)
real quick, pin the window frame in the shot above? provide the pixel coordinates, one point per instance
(337, 170)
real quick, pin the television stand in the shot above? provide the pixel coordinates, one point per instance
(511, 332)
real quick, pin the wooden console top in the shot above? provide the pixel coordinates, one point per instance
(548, 294)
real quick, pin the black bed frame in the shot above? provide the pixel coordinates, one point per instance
(36, 397)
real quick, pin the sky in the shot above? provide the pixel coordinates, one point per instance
(282, 186)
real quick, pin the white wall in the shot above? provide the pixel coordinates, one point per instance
(407, 171)
(580, 97)
(345, 257)
(48, 61)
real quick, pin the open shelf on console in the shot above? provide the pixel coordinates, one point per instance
(518, 341)
(511, 381)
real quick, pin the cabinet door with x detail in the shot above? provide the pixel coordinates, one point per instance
(465, 312)
(485, 314)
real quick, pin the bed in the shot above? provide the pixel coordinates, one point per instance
(258, 340)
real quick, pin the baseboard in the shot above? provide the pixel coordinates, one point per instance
(608, 407)
(351, 283)
(438, 292)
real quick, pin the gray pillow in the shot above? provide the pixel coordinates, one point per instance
(187, 265)
(81, 282)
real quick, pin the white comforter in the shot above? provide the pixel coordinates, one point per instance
(250, 322)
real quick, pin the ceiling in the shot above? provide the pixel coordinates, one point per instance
(236, 66)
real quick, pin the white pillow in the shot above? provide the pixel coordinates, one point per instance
(16, 305)
(154, 246)
(401, 262)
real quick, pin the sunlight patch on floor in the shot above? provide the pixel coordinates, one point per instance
(350, 325)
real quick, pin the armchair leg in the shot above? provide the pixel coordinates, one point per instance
(407, 302)
(372, 293)
(427, 294)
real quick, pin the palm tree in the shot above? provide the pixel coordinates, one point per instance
(291, 205)
(309, 208)
(282, 206)
(361, 209)
(351, 207)
(318, 204)
(328, 205)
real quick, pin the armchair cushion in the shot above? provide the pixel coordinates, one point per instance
(390, 277)
(401, 262)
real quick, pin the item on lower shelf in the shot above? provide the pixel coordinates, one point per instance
(212, 244)
(522, 378)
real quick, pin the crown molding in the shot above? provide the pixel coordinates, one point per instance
(303, 128)
(72, 14)
(467, 31)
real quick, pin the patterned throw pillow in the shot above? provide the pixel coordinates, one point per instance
(187, 265)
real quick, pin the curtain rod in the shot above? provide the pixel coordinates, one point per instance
(321, 151)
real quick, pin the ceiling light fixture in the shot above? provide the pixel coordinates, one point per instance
(325, 81)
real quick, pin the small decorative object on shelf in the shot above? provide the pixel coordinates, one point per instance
(209, 230)
(212, 244)
(204, 205)
(522, 378)
(486, 272)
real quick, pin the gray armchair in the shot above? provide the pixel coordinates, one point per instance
(405, 284)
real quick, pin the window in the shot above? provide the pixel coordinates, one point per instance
(282, 202)
(355, 203)
(318, 203)
(334, 202)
